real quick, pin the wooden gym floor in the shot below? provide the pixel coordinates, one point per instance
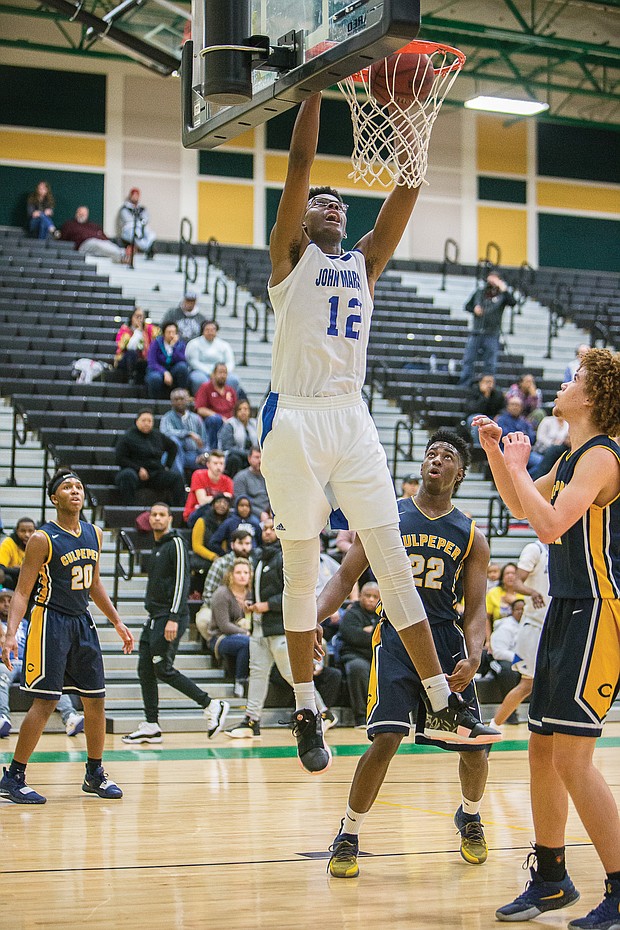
(226, 835)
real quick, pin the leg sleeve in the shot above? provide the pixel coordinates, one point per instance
(301, 572)
(390, 565)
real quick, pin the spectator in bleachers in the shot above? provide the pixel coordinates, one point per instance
(139, 454)
(250, 483)
(215, 401)
(487, 305)
(503, 648)
(500, 598)
(204, 527)
(355, 633)
(13, 550)
(572, 367)
(90, 238)
(237, 436)
(40, 206)
(187, 317)
(166, 367)
(240, 548)
(133, 224)
(186, 429)
(493, 573)
(73, 722)
(484, 398)
(205, 351)
(513, 421)
(133, 341)
(530, 396)
(409, 486)
(228, 632)
(240, 518)
(551, 441)
(268, 642)
(205, 484)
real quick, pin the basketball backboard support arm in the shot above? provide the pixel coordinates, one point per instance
(380, 27)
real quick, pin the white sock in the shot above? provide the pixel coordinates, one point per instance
(470, 807)
(304, 696)
(353, 821)
(437, 691)
(494, 725)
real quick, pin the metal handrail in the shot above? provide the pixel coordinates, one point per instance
(448, 260)
(123, 544)
(374, 379)
(213, 256)
(220, 295)
(17, 437)
(498, 518)
(190, 271)
(405, 452)
(248, 327)
(184, 240)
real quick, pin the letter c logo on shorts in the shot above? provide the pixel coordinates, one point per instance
(31, 667)
(605, 690)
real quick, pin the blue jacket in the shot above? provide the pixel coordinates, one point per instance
(159, 360)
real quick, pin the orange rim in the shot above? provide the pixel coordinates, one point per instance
(420, 48)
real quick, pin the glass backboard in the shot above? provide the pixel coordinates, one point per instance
(334, 39)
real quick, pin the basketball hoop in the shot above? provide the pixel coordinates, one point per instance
(391, 136)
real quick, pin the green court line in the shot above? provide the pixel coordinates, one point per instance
(198, 753)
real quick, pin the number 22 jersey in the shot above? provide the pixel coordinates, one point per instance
(66, 575)
(323, 310)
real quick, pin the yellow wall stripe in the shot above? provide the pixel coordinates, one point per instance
(506, 227)
(578, 197)
(226, 211)
(50, 147)
(325, 172)
(244, 141)
(500, 147)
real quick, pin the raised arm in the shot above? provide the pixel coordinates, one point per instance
(379, 244)
(288, 239)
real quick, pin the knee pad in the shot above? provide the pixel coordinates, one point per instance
(301, 572)
(391, 567)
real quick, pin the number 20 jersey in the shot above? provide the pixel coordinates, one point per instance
(322, 310)
(66, 575)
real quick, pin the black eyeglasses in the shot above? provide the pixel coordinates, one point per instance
(323, 204)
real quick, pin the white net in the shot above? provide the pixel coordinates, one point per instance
(390, 139)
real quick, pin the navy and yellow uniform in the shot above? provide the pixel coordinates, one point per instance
(578, 663)
(437, 548)
(62, 648)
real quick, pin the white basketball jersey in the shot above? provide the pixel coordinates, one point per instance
(534, 559)
(322, 310)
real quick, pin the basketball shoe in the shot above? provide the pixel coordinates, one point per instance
(247, 729)
(604, 917)
(474, 847)
(215, 714)
(145, 732)
(539, 896)
(98, 783)
(457, 724)
(15, 789)
(74, 724)
(344, 850)
(329, 718)
(314, 756)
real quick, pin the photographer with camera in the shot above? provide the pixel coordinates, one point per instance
(487, 305)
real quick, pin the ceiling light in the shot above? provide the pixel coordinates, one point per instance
(505, 105)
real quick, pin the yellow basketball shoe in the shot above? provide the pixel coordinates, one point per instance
(474, 847)
(343, 862)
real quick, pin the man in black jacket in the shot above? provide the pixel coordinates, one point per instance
(268, 642)
(139, 453)
(487, 305)
(168, 618)
(355, 633)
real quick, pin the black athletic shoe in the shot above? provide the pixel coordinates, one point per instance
(457, 724)
(314, 756)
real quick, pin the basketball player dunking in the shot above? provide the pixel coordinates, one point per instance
(321, 450)
(62, 648)
(445, 551)
(576, 510)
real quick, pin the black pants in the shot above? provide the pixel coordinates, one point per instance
(156, 663)
(167, 481)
